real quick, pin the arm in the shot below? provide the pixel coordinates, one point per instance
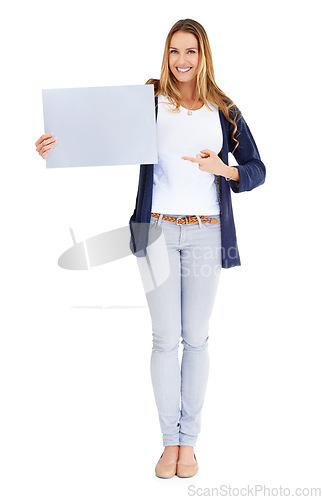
(251, 170)
(230, 173)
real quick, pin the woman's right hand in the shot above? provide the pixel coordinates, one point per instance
(45, 144)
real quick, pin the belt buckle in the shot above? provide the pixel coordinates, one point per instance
(181, 219)
(185, 220)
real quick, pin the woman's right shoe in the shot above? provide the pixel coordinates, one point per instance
(165, 471)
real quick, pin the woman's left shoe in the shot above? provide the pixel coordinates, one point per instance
(187, 470)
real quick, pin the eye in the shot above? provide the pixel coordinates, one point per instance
(174, 50)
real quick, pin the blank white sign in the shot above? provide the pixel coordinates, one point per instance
(98, 126)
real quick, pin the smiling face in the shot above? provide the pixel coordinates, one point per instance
(184, 56)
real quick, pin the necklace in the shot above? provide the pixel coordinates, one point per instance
(189, 112)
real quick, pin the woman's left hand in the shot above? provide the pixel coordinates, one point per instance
(208, 161)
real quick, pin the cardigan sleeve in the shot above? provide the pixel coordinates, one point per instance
(252, 171)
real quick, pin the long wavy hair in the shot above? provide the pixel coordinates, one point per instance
(206, 87)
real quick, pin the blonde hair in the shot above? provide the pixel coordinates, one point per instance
(206, 87)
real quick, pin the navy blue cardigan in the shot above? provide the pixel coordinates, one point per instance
(252, 173)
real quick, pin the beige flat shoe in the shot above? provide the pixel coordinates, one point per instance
(187, 470)
(165, 471)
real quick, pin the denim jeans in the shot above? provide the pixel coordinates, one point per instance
(180, 274)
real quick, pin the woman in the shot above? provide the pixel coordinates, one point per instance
(179, 252)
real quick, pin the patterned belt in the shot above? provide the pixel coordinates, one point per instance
(188, 219)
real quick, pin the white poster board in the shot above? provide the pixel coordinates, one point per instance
(98, 126)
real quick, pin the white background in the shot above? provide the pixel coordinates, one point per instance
(78, 417)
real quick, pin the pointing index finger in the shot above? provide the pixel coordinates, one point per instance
(196, 160)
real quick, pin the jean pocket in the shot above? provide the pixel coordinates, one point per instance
(212, 225)
(153, 222)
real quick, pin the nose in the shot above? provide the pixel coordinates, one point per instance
(182, 64)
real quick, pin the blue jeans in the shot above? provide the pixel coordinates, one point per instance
(180, 274)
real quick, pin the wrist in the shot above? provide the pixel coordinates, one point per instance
(232, 174)
(227, 171)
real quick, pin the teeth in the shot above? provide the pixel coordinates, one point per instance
(183, 70)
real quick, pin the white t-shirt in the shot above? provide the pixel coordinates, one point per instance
(179, 186)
